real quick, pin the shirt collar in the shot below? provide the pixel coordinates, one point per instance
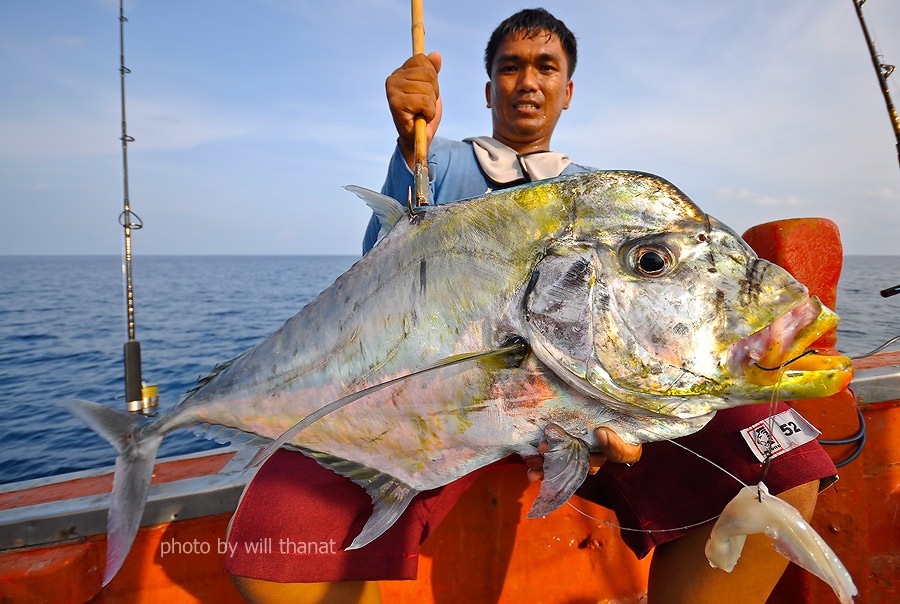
(504, 166)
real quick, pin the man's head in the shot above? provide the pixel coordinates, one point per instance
(530, 23)
(530, 59)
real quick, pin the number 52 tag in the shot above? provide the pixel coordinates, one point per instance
(778, 434)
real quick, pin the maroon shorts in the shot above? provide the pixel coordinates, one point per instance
(670, 491)
(296, 518)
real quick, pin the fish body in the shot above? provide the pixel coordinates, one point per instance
(642, 313)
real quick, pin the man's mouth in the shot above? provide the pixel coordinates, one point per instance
(527, 106)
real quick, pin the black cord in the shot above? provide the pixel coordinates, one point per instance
(859, 438)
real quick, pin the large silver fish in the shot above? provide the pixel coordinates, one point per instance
(640, 312)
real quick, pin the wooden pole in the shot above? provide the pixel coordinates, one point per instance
(421, 149)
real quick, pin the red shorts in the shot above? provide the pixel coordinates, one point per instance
(296, 517)
(670, 491)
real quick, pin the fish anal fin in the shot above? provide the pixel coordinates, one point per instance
(566, 465)
(390, 496)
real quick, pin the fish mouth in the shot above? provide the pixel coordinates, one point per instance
(777, 355)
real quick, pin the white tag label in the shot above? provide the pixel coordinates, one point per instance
(779, 434)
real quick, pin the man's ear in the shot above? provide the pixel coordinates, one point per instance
(487, 94)
(569, 86)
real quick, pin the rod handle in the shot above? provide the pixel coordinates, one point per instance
(133, 396)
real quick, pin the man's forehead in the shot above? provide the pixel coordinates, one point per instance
(542, 36)
(515, 43)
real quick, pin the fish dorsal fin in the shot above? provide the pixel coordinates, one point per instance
(510, 354)
(566, 465)
(390, 496)
(387, 209)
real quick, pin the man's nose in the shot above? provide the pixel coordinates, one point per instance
(528, 78)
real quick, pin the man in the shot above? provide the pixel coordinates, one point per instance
(530, 86)
(530, 60)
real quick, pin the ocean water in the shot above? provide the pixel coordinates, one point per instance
(62, 329)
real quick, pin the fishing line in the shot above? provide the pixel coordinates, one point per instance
(860, 436)
(890, 342)
(770, 425)
(668, 530)
(634, 530)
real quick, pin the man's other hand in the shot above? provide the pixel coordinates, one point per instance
(612, 448)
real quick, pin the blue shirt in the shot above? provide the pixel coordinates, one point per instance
(453, 172)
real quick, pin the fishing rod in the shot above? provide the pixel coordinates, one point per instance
(138, 398)
(883, 71)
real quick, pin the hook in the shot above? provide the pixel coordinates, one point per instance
(786, 363)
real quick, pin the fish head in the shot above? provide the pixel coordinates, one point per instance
(648, 302)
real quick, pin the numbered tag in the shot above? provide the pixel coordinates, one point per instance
(776, 435)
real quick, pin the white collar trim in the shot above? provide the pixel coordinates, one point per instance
(503, 165)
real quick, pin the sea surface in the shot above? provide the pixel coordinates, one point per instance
(62, 328)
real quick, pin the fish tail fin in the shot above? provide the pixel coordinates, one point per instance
(137, 442)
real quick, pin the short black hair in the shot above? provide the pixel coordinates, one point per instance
(531, 22)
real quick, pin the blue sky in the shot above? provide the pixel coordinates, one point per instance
(250, 115)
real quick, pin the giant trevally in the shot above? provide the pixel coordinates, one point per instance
(640, 312)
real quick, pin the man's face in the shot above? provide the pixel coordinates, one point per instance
(529, 89)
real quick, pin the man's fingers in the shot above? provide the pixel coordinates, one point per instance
(597, 460)
(612, 448)
(413, 89)
(615, 449)
(535, 463)
(436, 60)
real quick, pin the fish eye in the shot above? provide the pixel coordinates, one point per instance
(651, 261)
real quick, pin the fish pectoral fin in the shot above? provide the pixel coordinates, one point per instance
(566, 465)
(390, 496)
(754, 510)
(386, 209)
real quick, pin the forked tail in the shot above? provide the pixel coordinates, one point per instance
(137, 442)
